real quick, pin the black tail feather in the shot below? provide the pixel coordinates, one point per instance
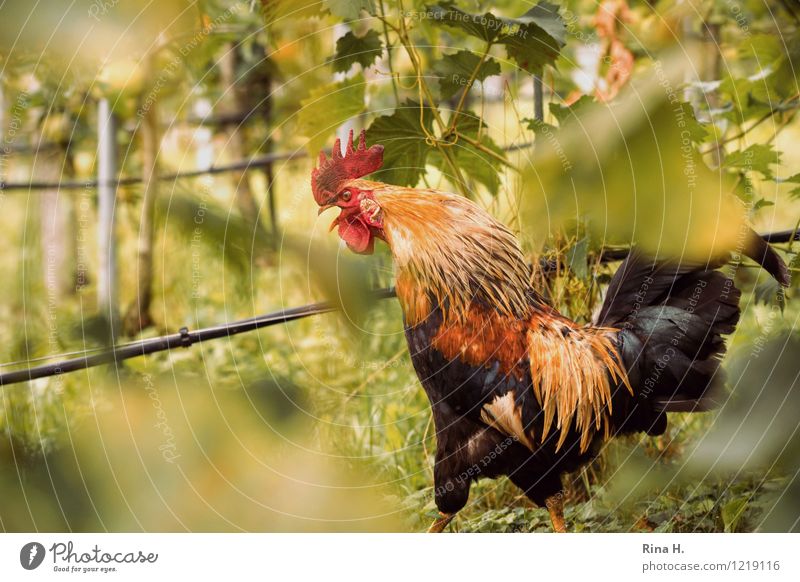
(762, 253)
(671, 318)
(644, 281)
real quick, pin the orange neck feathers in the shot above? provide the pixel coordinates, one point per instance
(449, 250)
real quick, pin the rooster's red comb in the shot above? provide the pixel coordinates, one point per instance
(355, 163)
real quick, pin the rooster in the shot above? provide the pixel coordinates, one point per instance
(516, 388)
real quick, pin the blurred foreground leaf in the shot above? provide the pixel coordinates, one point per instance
(202, 221)
(758, 428)
(91, 30)
(759, 425)
(342, 277)
(278, 12)
(326, 108)
(632, 170)
(350, 9)
(169, 453)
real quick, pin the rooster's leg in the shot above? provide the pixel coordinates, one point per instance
(441, 522)
(555, 506)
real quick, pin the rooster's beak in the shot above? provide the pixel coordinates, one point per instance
(324, 208)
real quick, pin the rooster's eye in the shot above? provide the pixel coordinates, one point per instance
(346, 195)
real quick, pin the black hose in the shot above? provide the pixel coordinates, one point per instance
(182, 339)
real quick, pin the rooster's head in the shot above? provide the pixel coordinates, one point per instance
(337, 183)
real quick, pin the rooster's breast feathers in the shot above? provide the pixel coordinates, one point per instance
(564, 375)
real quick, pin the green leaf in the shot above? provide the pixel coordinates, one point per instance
(737, 92)
(404, 139)
(577, 258)
(454, 71)
(758, 157)
(784, 81)
(766, 49)
(732, 513)
(279, 11)
(344, 281)
(477, 165)
(539, 127)
(327, 107)
(762, 203)
(538, 40)
(769, 293)
(793, 179)
(545, 15)
(486, 27)
(688, 121)
(350, 9)
(563, 113)
(353, 49)
(533, 40)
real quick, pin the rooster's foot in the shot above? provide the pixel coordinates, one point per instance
(441, 522)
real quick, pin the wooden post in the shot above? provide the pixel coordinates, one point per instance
(269, 170)
(107, 300)
(538, 99)
(53, 226)
(237, 103)
(139, 316)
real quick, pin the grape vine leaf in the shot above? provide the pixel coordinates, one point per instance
(762, 203)
(540, 127)
(793, 179)
(486, 27)
(404, 140)
(546, 16)
(784, 83)
(352, 49)
(533, 40)
(765, 49)
(538, 40)
(563, 113)
(455, 70)
(687, 120)
(608, 160)
(476, 164)
(756, 158)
